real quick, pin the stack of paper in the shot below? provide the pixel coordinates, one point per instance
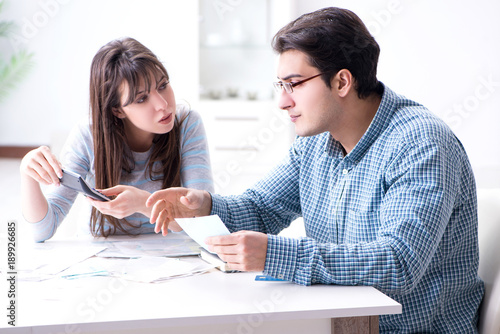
(145, 258)
(159, 269)
(146, 269)
(38, 262)
(175, 244)
(216, 261)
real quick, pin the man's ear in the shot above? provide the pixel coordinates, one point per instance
(344, 82)
(118, 112)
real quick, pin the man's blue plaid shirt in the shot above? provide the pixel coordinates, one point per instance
(398, 212)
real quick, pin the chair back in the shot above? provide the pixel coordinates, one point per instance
(489, 259)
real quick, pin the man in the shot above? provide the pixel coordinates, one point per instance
(386, 190)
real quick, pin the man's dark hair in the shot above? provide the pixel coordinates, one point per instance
(334, 39)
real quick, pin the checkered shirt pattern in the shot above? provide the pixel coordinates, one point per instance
(399, 213)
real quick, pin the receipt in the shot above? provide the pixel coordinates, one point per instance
(200, 228)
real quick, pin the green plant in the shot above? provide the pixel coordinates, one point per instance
(12, 71)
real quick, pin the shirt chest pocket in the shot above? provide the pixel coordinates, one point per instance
(361, 226)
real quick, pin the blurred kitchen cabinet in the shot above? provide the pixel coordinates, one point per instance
(247, 133)
(246, 140)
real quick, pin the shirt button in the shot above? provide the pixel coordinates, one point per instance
(313, 280)
(280, 276)
(345, 171)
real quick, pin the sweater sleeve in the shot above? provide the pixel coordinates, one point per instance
(76, 156)
(196, 171)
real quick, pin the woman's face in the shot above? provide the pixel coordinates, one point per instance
(150, 112)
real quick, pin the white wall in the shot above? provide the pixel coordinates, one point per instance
(444, 54)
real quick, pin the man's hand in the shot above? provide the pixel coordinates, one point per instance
(177, 203)
(242, 250)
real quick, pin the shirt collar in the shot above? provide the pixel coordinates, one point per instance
(379, 123)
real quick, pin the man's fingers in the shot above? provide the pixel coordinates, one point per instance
(164, 229)
(157, 209)
(185, 201)
(160, 195)
(173, 226)
(190, 200)
(172, 195)
(243, 250)
(153, 199)
(161, 221)
(230, 258)
(224, 240)
(224, 250)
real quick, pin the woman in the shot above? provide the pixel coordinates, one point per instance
(138, 141)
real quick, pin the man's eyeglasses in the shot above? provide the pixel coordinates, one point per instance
(288, 86)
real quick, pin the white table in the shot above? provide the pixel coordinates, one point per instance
(213, 302)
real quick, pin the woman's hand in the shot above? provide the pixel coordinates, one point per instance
(127, 200)
(42, 166)
(38, 166)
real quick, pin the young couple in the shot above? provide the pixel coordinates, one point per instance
(385, 189)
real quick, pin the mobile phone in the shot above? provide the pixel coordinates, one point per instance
(76, 182)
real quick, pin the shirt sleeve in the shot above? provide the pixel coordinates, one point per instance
(75, 156)
(423, 187)
(270, 205)
(196, 171)
(427, 183)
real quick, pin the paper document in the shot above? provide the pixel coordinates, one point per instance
(159, 269)
(216, 261)
(146, 269)
(42, 261)
(173, 245)
(200, 228)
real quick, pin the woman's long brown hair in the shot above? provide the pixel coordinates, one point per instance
(128, 60)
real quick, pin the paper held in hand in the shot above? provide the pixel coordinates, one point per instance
(200, 228)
